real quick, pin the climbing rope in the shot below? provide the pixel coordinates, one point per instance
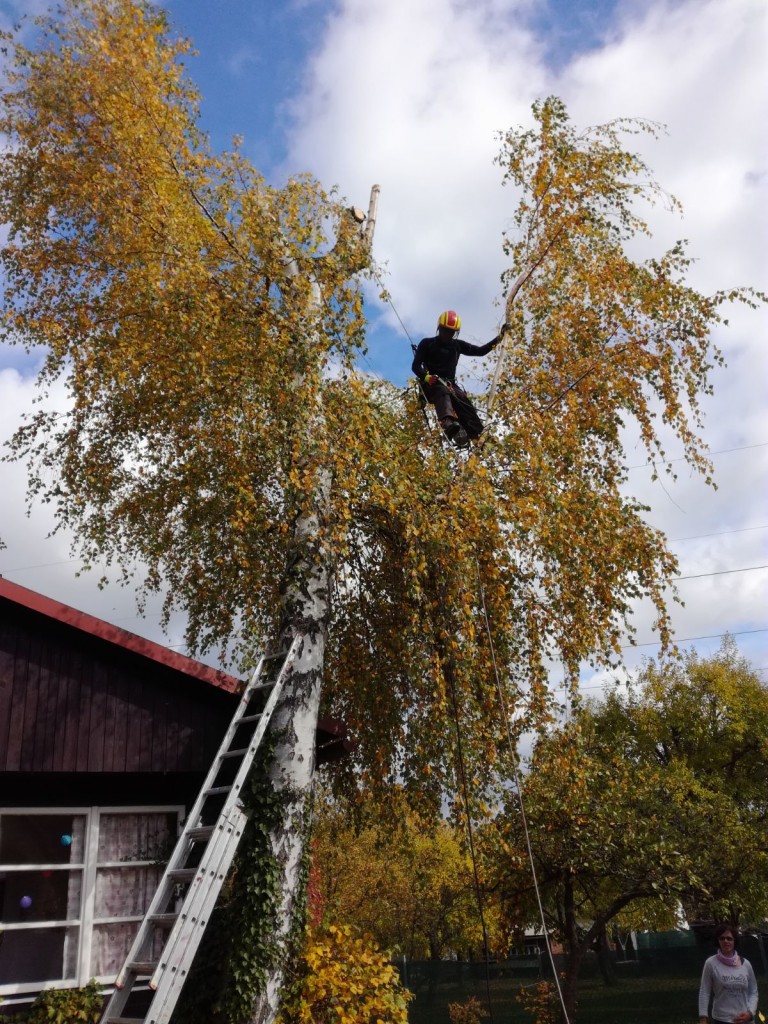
(518, 787)
(471, 840)
(506, 715)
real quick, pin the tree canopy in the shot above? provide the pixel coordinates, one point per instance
(194, 311)
(643, 807)
(406, 880)
(220, 447)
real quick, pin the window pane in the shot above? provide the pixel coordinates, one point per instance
(127, 837)
(38, 954)
(125, 892)
(42, 838)
(27, 896)
(111, 943)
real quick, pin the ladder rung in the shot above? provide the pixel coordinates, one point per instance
(125, 1020)
(247, 719)
(182, 874)
(217, 791)
(200, 832)
(143, 966)
(164, 920)
(235, 753)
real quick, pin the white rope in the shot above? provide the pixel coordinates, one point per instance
(518, 787)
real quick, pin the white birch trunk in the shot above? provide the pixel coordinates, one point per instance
(306, 606)
(305, 598)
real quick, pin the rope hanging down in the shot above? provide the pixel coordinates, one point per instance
(505, 711)
(518, 787)
(470, 836)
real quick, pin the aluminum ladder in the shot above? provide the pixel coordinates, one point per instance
(168, 937)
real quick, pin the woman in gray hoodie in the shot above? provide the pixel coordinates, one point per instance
(729, 981)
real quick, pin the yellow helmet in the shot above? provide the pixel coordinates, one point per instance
(450, 319)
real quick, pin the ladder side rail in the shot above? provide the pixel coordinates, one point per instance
(173, 972)
(196, 809)
(253, 684)
(195, 812)
(212, 853)
(257, 737)
(205, 879)
(184, 843)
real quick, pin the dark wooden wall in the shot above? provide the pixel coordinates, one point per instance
(74, 703)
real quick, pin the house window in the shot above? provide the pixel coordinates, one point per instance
(74, 885)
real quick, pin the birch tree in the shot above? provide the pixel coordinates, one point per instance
(195, 312)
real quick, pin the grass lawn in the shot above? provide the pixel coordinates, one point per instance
(643, 999)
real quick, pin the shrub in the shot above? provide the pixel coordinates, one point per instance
(470, 1012)
(344, 978)
(68, 1006)
(541, 1002)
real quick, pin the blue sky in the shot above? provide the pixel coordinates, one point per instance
(411, 94)
(249, 68)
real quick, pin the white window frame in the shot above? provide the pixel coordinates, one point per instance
(89, 869)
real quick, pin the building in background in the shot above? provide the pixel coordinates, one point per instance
(105, 740)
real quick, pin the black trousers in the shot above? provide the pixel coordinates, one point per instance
(454, 401)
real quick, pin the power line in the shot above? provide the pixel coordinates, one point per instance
(519, 788)
(695, 576)
(682, 640)
(722, 451)
(42, 565)
(720, 572)
(720, 533)
(686, 639)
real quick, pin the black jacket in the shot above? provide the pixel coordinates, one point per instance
(441, 356)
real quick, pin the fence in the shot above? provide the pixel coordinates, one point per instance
(652, 977)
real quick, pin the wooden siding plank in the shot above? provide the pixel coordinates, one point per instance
(161, 711)
(7, 665)
(145, 724)
(71, 670)
(172, 741)
(187, 744)
(96, 727)
(111, 699)
(63, 685)
(120, 738)
(133, 737)
(26, 691)
(46, 709)
(84, 714)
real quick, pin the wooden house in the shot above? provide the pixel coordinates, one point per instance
(105, 739)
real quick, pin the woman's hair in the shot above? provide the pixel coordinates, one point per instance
(722, 928)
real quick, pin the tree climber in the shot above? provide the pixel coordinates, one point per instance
(434, 363)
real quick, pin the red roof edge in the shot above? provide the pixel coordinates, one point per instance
(115, 635)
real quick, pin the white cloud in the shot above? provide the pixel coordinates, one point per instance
(41, 560)
(411, 94)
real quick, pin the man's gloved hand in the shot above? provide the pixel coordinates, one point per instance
(430, 379)
(500, 336)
